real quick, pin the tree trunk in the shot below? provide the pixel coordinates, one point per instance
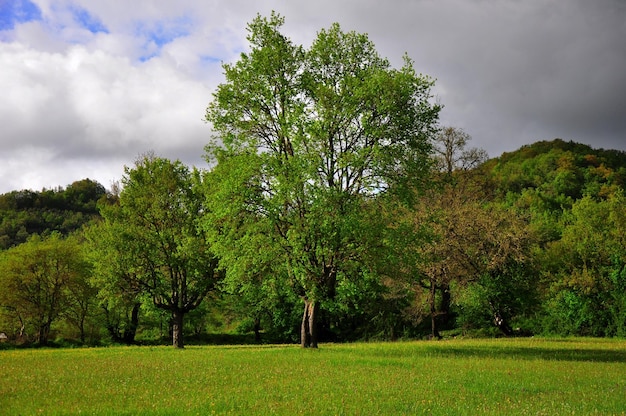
(502, 324)
(308, 329)
(257, 329)
(500, 321)
(177, 329)
(434, 331)
(313, 323)
(44, 331)
(81, 328)
(22, 326)
(131, 328)
(444, 309)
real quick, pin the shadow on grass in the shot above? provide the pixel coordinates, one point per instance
(533, 353)
(215, 339)
(190, 340)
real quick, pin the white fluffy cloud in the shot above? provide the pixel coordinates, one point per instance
(77, 109)
(88, 85)
(78, 103)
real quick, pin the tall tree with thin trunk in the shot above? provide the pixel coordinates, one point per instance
(457, 184)
(304, 138)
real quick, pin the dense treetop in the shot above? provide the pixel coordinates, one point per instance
(26, 212)
(559, 167)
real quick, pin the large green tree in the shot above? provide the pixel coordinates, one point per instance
(304, 139)
(155, 244)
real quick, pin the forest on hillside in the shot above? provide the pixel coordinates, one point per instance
(335, 208)
(531, 242)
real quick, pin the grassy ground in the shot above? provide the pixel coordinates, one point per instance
(456, 377)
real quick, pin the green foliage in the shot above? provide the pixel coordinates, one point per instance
(585, 295)
(560, 172)
(151, 241)
(617, 300)
(472, 307)
(505, 295)
(330, 186)
(42, 281)
(24, 213)
(383, 249)
(574, 195)
(304, 138)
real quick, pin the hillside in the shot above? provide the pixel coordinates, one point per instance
(559, 172)
(24, 213)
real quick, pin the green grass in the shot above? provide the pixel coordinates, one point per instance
(456, 377)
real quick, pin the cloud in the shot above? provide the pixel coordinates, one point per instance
(81, 101)
(82, 106)
(87, 85)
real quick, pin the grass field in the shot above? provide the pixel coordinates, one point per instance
(457, 377)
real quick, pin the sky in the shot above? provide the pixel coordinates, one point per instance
(87, 86)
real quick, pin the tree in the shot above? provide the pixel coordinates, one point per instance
(489, 247)
(452, 152)
(455, 240)
(304, 139)
(586, 270)
(458, 184)
(425, 260)
(156, 236)
(83, 195)
(36, 281)
(119, 291)
(81, 294)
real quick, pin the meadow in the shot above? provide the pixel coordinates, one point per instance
(454, 377)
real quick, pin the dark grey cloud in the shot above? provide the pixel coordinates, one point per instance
(510, 72)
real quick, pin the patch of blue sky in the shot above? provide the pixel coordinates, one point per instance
(146, 57)
(87, 20)
(160, 33)
(209, 59)
(17, 11)
(165, 31)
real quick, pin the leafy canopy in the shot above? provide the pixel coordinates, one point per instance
(305, 139)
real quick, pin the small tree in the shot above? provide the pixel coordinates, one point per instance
(452, 152)
(157, 240)
(36, 279)
(432, 224)
(82, 296)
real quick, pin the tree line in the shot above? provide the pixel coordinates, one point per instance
(335, 208)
